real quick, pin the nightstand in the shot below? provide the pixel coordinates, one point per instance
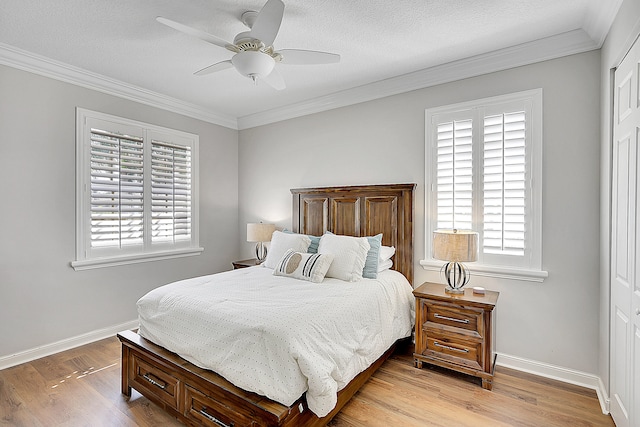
(245, 263)
(456, 331)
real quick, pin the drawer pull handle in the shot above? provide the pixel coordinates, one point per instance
(461, 350)
(154, 382)
(438, 316)
(213, 419)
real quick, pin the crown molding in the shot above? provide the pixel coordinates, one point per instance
(569, 43)
(564, 44)
(37, 64)
(599, 19)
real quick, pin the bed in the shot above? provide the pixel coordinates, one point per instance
(199, 396)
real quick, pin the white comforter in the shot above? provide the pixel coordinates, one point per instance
(278, 336)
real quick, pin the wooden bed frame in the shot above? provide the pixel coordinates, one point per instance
(198, 396)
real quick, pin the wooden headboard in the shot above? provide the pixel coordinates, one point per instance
(364, 210)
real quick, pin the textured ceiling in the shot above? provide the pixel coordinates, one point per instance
(377, 40)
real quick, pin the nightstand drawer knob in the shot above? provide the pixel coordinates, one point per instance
(461, 350)
(438, 316)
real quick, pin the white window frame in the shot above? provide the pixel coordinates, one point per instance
(88, 257)
(528, 268)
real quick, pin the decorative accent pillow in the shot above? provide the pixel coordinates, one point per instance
(313, 247)
(349, 255)
(305, 266)
(281, 242)
(370, 270)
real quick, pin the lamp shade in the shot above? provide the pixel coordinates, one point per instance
(455, 245)
(259, 232)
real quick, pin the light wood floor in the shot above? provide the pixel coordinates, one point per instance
(81, 387)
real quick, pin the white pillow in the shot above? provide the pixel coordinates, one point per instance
(384, 265)
(349, 255)
(281, 243)
(386, 252)
(305, 266)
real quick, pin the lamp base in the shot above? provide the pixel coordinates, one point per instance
(457, 276)
(261, 252)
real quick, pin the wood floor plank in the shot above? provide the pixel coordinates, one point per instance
(443, 404)
(580, 404)
(14, 410)
(81, 387)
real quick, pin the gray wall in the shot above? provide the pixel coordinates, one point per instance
(42, 299)
(382, 141)
(624, 30)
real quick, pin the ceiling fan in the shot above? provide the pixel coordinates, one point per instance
(254, 55)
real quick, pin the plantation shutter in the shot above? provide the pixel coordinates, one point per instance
(171, 196)
(454, 178)
(504, 176)
(136, 192)
(116, 187)
(483, 162)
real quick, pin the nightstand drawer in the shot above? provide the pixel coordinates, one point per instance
(453, 316)
(463, 353)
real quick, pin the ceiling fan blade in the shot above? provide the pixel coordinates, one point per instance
(268, 21)
(194, 32)
(307, 57)
(275, 80)
(218, 66)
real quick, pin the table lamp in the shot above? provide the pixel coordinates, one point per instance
(260, 233)
(455, 247)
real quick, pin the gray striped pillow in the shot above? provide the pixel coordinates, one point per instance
(302, 265)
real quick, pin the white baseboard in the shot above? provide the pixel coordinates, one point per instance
(66, 344)
(559, 373)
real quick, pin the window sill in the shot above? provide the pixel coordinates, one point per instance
(512, 273)
(89, 264)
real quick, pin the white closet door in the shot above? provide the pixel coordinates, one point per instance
(625, 234)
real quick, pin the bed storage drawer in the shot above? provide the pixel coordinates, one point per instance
(208, 411)
(159, 383)
(189, 392)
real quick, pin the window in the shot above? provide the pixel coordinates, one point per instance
(483, 163)
(136, 192)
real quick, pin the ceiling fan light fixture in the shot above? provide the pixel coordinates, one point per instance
(253, 64)
(255, 56)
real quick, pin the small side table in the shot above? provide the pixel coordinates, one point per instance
(245, 263)
(456, 331)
